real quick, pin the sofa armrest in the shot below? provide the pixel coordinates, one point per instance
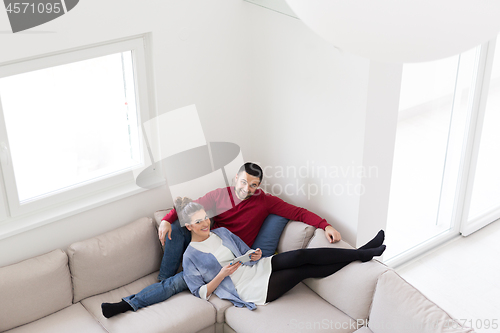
(399, 307)
(34, 288)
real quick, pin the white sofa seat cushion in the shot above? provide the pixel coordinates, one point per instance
(351, 289)
(113, 259)
(220, 305)
(399, 307)
(33, 289)
(299, 310)
(74, 319)
(180, 313)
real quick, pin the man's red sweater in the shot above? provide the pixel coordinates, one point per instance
(245, 217)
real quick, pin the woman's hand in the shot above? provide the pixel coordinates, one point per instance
(229, 269)
(225, 271)
(256, 255)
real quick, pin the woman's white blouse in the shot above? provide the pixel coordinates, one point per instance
(250, 281)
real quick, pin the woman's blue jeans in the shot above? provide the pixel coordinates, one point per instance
(157, 292)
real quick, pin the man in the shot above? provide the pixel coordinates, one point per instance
(242, 209)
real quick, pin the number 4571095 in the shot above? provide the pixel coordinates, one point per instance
(27, 7)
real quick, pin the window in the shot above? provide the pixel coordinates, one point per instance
(485, 199)
(70, 124)
(428, 154)
(445, 180)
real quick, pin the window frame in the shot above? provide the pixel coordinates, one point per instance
(470, 224)
(469, 154)
(16, 217)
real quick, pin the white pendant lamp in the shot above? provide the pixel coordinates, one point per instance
(401, 30)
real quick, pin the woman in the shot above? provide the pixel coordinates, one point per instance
(208, 268)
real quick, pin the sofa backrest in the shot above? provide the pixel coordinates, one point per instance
(160, 214)
(296, 235)
(33, 289)
(114, 259)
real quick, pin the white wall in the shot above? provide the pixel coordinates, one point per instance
(309, 103)
(200, 51)
(259, 79)
(378, 149)
(319, 108)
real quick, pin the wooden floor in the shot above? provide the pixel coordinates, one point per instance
(463, 277)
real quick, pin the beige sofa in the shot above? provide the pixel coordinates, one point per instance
(62, 291)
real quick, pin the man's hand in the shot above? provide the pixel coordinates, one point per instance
(332, 235)
(164, 229)
(256, 255)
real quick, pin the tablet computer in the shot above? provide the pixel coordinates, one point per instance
(244, 258)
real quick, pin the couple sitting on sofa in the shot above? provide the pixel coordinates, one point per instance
(239, 213)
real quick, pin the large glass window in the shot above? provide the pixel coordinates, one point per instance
(429, 144)
(70, 124)
(70, 127)
(445, 174)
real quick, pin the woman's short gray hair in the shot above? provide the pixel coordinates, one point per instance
(186, 208)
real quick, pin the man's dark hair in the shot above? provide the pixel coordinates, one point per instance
(253, 170)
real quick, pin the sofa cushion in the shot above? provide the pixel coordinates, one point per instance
(299, 310)
(34, 288)
(180, 313)
(296, 235)
(351, 289)
(160, 214)
(114, 259)
(74, 319)
(269, 235)
(399, 307)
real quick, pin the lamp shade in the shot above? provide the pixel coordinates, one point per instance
(401, 30)
(181, 157)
